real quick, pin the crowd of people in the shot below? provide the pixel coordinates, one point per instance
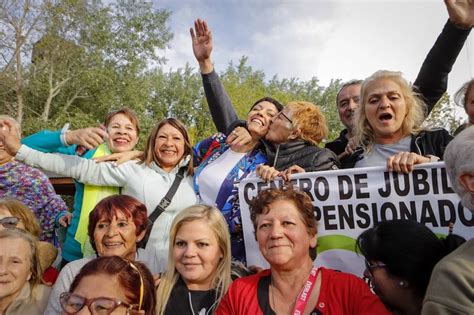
(160, 231)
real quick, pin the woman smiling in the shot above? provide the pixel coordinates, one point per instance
(198, 272)
(167, 151)
(117, 225)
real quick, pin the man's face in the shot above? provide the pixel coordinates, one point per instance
(347, 103)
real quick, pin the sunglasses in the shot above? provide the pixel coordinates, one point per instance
(9, 222)
(73, 303)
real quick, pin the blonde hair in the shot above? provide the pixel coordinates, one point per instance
(213, 217)
(308, 118)
(21, 211)
(415, 108)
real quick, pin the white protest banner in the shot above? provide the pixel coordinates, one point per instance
(347, 202)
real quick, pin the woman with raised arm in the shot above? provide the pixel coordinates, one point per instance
(167, 154)
(120, 135)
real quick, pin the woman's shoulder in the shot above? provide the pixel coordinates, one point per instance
(250, 281)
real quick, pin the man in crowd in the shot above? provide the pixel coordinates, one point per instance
(451, 286)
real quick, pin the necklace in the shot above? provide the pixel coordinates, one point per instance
(203, 310)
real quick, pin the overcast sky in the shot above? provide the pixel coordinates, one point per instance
(325, 39)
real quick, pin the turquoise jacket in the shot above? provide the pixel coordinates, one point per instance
(50, 142)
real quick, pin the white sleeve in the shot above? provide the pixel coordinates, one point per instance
(84, 170)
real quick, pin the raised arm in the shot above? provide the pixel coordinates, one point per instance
(222, 110)
(432, 80)
(86, 171)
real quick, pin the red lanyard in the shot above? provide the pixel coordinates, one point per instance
(305, 293)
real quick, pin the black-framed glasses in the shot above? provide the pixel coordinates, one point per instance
(370, 266)
(73, 304)
(281, 113)
(9, 222)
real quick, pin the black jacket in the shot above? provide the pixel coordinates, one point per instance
(427, 142)
(432, 80)
(298, 152)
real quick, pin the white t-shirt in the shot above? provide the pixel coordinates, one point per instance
(213, 175)
(381, 152)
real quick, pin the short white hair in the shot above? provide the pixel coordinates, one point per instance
(10, 118)
(459, 160)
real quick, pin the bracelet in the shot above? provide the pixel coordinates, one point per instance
(64, 131)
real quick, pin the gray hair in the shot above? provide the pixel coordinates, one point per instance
(13, 120)
(346, 84)
(459, 159)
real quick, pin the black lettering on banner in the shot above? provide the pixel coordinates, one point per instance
(384, 209)
(445, 187)
(324, 195)
(408, 214)
(317, 213)
(434, 175)
(262, 186)
(346, 217)
(420, 182)
(443, 219)
(344, 181)
(248, 187)
(359, 185)
(401, 189)
(375, 213)
(364, 219)
(462, 216)
(387, 191)
(328, 212)
(427, 214)
(305, 185)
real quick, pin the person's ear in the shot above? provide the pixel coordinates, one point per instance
(314, 241)
(467, 181)
(295, 134)
(141, 236)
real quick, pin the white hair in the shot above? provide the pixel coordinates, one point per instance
(459, 160)
(10, 118)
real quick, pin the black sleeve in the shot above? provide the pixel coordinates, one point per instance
(222, 110)
(432, 80)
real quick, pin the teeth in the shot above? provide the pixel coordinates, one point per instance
(257, 121)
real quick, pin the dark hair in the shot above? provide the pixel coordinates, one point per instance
(150, 156)
(460, 97)
(301, 200)
(269, 99)
(129, 278)
(346, 84)
(108, 207)
(408, 248)
(130, 114)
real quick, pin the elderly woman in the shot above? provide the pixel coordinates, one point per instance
(198, 272)
(292, 141)
(20, 273)
(465, 98)
(167, 154)
(400, 256)
(389, 119)
(111, 285)
(15, 214)
(117, 225)
(286, 232)
(120, 135)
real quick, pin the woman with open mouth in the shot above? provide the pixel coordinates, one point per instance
(389, 121)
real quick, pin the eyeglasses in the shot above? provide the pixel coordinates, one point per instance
(281, 113)
(370, 266)
(9, 222)
(73, 304)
